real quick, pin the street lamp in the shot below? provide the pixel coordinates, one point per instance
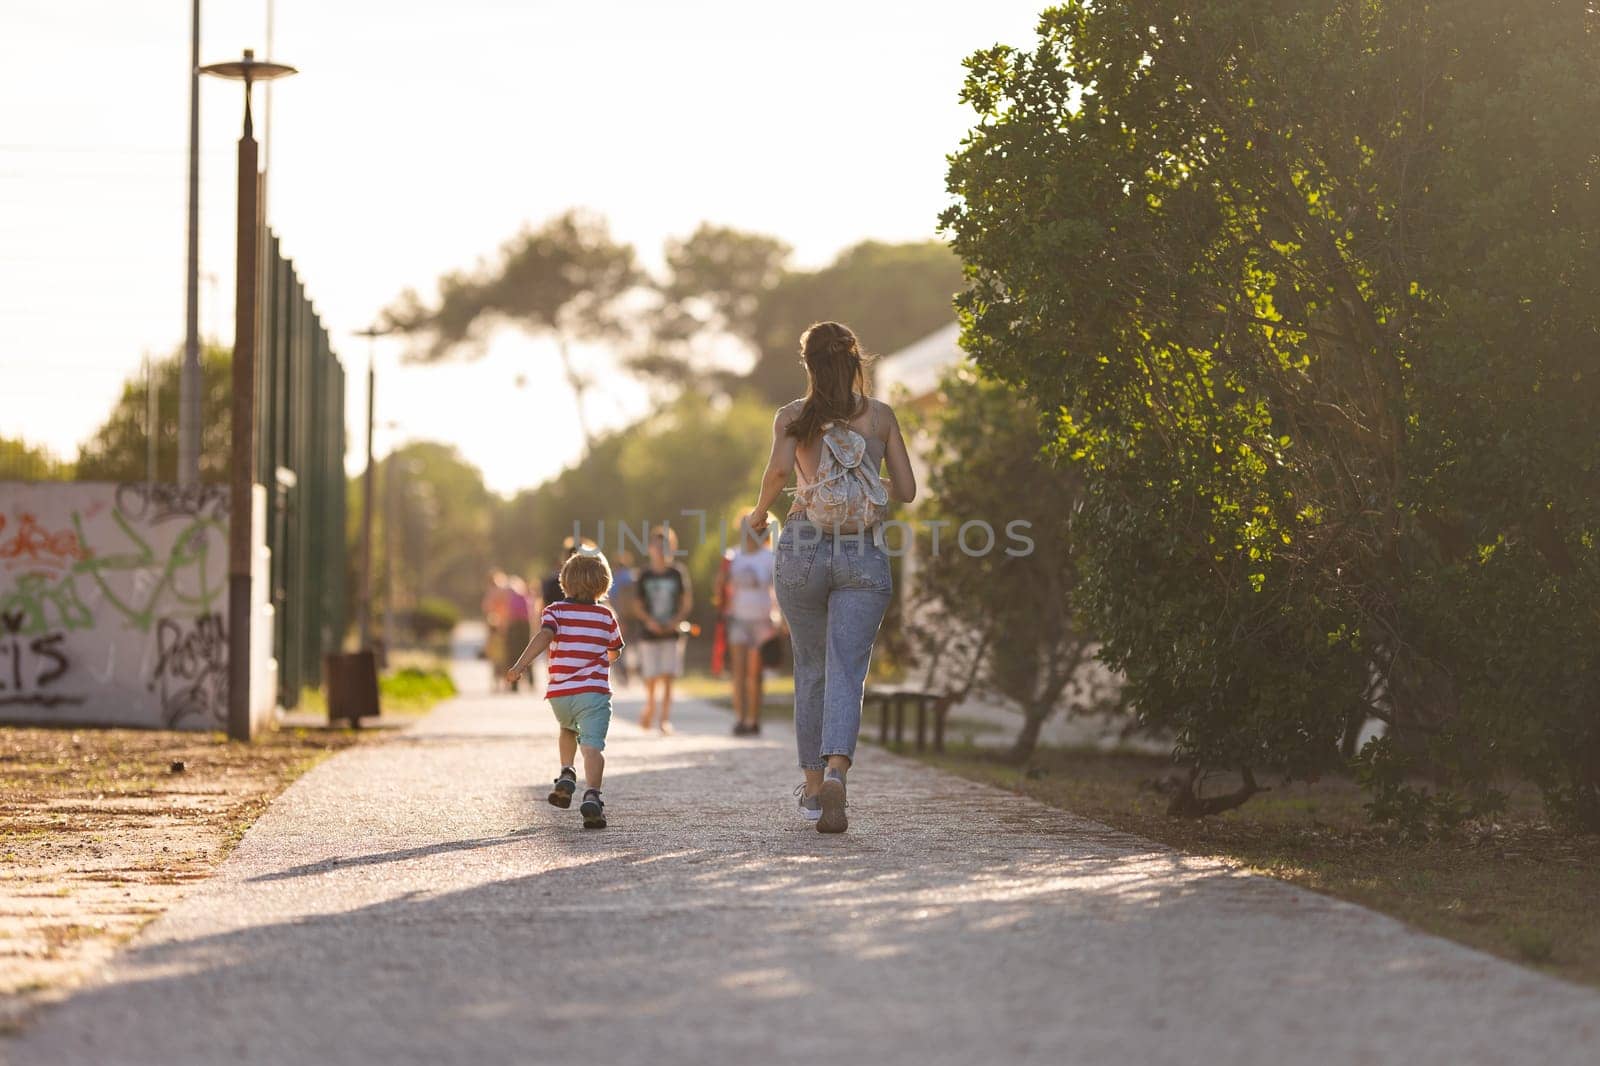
(241, 525)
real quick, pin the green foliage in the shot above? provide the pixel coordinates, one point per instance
(724, 285)
(21, 461)
(432, 523)
(433, 618)
(1013, 607)
(412, 689)
(1310, 286)
(118, 450)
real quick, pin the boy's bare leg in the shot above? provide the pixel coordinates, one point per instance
(594, 766)
(568, 747)
(666, 702)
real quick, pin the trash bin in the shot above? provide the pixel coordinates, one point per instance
(352, 686)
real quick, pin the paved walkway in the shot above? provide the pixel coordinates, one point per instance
(418, 902)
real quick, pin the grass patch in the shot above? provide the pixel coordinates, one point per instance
(1516, 887)
(412, 690)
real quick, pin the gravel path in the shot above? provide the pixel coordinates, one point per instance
(418, 902)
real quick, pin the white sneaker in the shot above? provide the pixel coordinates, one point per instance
(810, 806)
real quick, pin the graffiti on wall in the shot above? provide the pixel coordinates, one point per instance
(111, 603)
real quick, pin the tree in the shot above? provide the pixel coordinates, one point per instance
(1013, 605)
(442, 521)
(22, 461)
(1304, 281)
(889, 294)
(715, 282)
(118, 450)
(564, 280)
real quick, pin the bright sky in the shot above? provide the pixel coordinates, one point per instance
(417, 138)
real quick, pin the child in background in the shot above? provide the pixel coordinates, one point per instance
(662, 601)
(584, 639)
(752, 610)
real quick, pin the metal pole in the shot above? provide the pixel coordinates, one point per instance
(391, 499)
(366, 512)
(151, 429)
(241, 541)
(189, 381)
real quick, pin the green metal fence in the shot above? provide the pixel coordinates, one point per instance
(300, 413)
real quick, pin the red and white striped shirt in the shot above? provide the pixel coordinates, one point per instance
(584, 633)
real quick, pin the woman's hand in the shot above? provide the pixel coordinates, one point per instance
(513, 673)
(756, 521)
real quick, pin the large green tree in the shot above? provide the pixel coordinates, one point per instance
(1310, 285)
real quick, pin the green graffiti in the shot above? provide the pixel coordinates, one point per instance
(183, 581)
(37, 604)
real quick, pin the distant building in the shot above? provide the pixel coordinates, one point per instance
(918, 368)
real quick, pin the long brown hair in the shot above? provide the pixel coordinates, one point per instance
(835, 376)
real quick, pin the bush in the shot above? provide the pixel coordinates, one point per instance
(431, 619)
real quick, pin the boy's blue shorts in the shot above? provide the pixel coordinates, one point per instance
(587, 714)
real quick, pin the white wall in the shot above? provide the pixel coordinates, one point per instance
(114, 605)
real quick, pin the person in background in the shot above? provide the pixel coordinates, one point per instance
(518, 627)
(752, 609)
(621, 600)
(550, 587)
(662, 601)
(494, 619)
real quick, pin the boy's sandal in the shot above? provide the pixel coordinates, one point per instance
(561, 795)
(593, 810)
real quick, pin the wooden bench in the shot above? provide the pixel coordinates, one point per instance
(892, 700)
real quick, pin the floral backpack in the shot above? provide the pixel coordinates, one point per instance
(845, 494)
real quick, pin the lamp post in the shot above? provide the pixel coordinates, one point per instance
(189, 381)
(371, 333)
(241, 543)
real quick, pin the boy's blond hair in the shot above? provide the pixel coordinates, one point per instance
(586, 576)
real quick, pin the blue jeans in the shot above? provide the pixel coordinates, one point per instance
(833, 590)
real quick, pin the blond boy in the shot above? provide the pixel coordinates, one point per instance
(583, 639)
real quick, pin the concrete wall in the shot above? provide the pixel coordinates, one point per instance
(114, 605)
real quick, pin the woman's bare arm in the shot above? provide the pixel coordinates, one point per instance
(780, 465)
(902, 479)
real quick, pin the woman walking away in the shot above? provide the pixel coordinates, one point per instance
(832, 572)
